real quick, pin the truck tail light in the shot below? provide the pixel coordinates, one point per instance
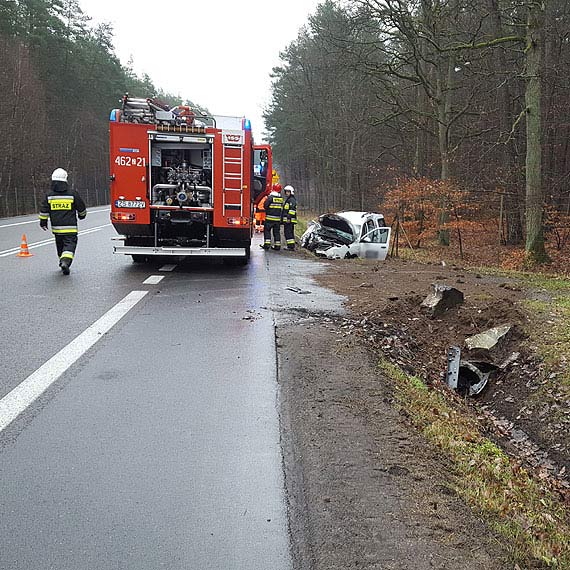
(122, 217)
(238, 221)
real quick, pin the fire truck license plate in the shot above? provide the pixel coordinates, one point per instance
(130, 204)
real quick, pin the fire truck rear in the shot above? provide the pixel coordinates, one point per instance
(184, 184)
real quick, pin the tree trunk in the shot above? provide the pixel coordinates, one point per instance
(509, 158)
(535, 250)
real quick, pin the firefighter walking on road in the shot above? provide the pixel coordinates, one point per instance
(61, 206)
(273, 214)
(289, 216)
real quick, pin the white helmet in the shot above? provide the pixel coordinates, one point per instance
(59, 175)
(289, 188)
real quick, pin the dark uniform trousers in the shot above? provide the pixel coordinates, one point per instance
(66, 244)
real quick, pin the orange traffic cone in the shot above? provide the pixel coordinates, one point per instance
(24, 251)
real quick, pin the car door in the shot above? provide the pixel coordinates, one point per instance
(374, 241)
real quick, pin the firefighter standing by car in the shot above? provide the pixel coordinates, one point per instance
(273, 214)
(289, 216)
(61, 206)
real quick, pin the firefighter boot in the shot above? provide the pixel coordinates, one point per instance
(64, 263)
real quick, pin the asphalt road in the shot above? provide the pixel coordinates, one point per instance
(159, 447)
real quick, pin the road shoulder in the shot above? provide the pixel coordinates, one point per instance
(364, 491)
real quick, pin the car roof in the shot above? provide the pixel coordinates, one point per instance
(357, 218)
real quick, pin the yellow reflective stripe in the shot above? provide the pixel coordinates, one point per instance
(44, 216)
(273, 219)
(84, 213)
(67, 254)
(68, 231)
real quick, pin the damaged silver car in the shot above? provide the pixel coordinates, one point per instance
(348, 234)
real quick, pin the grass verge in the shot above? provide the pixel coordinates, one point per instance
(517, 505)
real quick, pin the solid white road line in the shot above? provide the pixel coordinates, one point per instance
(35, 220)
(23, 395)
(153, 280)
(15, 250)
(168, 268)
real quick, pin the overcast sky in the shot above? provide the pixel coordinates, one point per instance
(218, 53)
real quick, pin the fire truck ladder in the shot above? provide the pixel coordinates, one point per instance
(233, 176)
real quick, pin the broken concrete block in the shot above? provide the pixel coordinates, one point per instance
(488, 339)
(441, 299)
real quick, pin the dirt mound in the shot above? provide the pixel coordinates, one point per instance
(385, 300)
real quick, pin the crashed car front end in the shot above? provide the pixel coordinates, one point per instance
(330, 237)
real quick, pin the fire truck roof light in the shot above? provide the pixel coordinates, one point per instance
(247, 124)
(113, 117)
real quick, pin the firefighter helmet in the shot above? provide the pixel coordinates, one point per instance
(289, 188)
(59, 175)
(277, 187)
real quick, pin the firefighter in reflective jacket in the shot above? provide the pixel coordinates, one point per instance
(273, 214)
(61, 206)
(289, 216)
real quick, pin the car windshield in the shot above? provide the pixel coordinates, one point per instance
(334, 225)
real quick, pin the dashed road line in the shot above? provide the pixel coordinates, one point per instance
(171, 267)
(153, 280)
(27, 392)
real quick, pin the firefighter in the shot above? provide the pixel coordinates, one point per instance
(273, 214)
(260, 215)
(289, 216)
(62, 206)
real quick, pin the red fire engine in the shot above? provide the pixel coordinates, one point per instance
(184, 184)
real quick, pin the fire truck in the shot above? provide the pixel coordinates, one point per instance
(184, 183)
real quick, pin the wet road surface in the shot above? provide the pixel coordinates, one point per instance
(160, 446)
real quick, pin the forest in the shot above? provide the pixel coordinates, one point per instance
(60, 78)
(449, 115)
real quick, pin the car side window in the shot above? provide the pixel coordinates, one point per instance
(367, 228)
(383, 234)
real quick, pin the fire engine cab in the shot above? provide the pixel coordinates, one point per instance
(184, 183)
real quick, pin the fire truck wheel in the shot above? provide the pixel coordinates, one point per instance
(138, 258)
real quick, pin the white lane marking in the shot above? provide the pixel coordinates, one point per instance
(168, 268)
(23, 395)
(35, 221)
(153, 280)
(15, 250)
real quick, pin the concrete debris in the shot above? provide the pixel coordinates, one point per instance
(441, 299)
(488, 339)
